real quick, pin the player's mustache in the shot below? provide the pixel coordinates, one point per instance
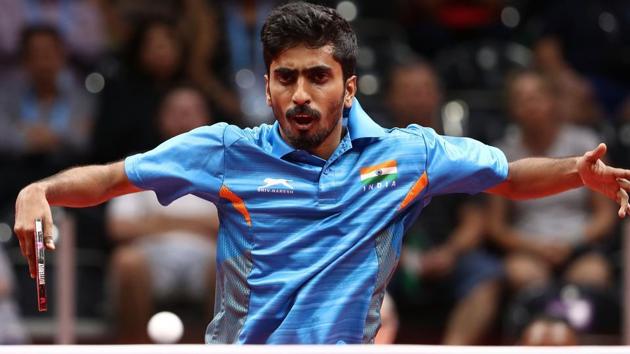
(302, 110)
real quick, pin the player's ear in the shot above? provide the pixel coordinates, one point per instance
(350, 91)
(267, 92)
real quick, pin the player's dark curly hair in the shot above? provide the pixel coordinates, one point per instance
(314, 26)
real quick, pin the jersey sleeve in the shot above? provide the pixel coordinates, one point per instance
(190, 163)
(461, 165)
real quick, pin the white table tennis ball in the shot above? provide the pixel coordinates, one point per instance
(165, 327)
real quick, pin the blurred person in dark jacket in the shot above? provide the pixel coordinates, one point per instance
(239, 27)
(440, 261)
(129, 102)
(196, 23)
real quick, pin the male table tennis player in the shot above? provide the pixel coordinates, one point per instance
(313, 207)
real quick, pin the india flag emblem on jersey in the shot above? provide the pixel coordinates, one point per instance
(386, 171)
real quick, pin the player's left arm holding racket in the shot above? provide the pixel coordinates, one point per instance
(76, 187)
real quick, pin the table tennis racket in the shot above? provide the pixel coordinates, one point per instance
(40, 279)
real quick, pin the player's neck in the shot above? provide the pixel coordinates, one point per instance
(328, 146)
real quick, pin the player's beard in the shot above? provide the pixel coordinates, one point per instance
(309, 140)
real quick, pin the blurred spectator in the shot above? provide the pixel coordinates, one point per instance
(554, 235)
(414, 95)
(440, 263)
(592, 38)
(45, 115)
(197, 27)
(549, 331)
(207, 65)
(589, 312)
(241, 25)
(123, 16)
(576, 99)
(79, 22)
(11, 328)
(164, 253)
(154, 63)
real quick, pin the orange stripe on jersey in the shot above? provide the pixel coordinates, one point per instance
(418, 187)
(390, 163)
(237, 202)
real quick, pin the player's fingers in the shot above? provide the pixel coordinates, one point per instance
(48, 232)
(624, 183)
(26, 236)
(49, 242)
(623, 202)
(621, 194)
(23, 246)
(597, 153)
(621, 173)
(18, 233)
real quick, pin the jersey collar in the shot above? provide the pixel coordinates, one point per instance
(279, 147)
(359, 124)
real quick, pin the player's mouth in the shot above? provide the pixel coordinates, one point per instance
(303, 121)
(302, 117)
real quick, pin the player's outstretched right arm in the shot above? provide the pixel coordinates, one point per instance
(76, 187)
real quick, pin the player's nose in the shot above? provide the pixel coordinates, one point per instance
(301, 95)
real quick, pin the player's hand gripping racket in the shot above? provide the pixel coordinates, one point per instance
(40, 279)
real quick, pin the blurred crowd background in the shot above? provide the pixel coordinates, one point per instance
(93, 81)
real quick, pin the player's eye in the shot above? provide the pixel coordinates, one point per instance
(285, 78)
(319, 77)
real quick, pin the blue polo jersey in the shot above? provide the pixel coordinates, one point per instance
(306, 246)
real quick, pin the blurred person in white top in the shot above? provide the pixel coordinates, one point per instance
(555, 235)
(164, 253)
